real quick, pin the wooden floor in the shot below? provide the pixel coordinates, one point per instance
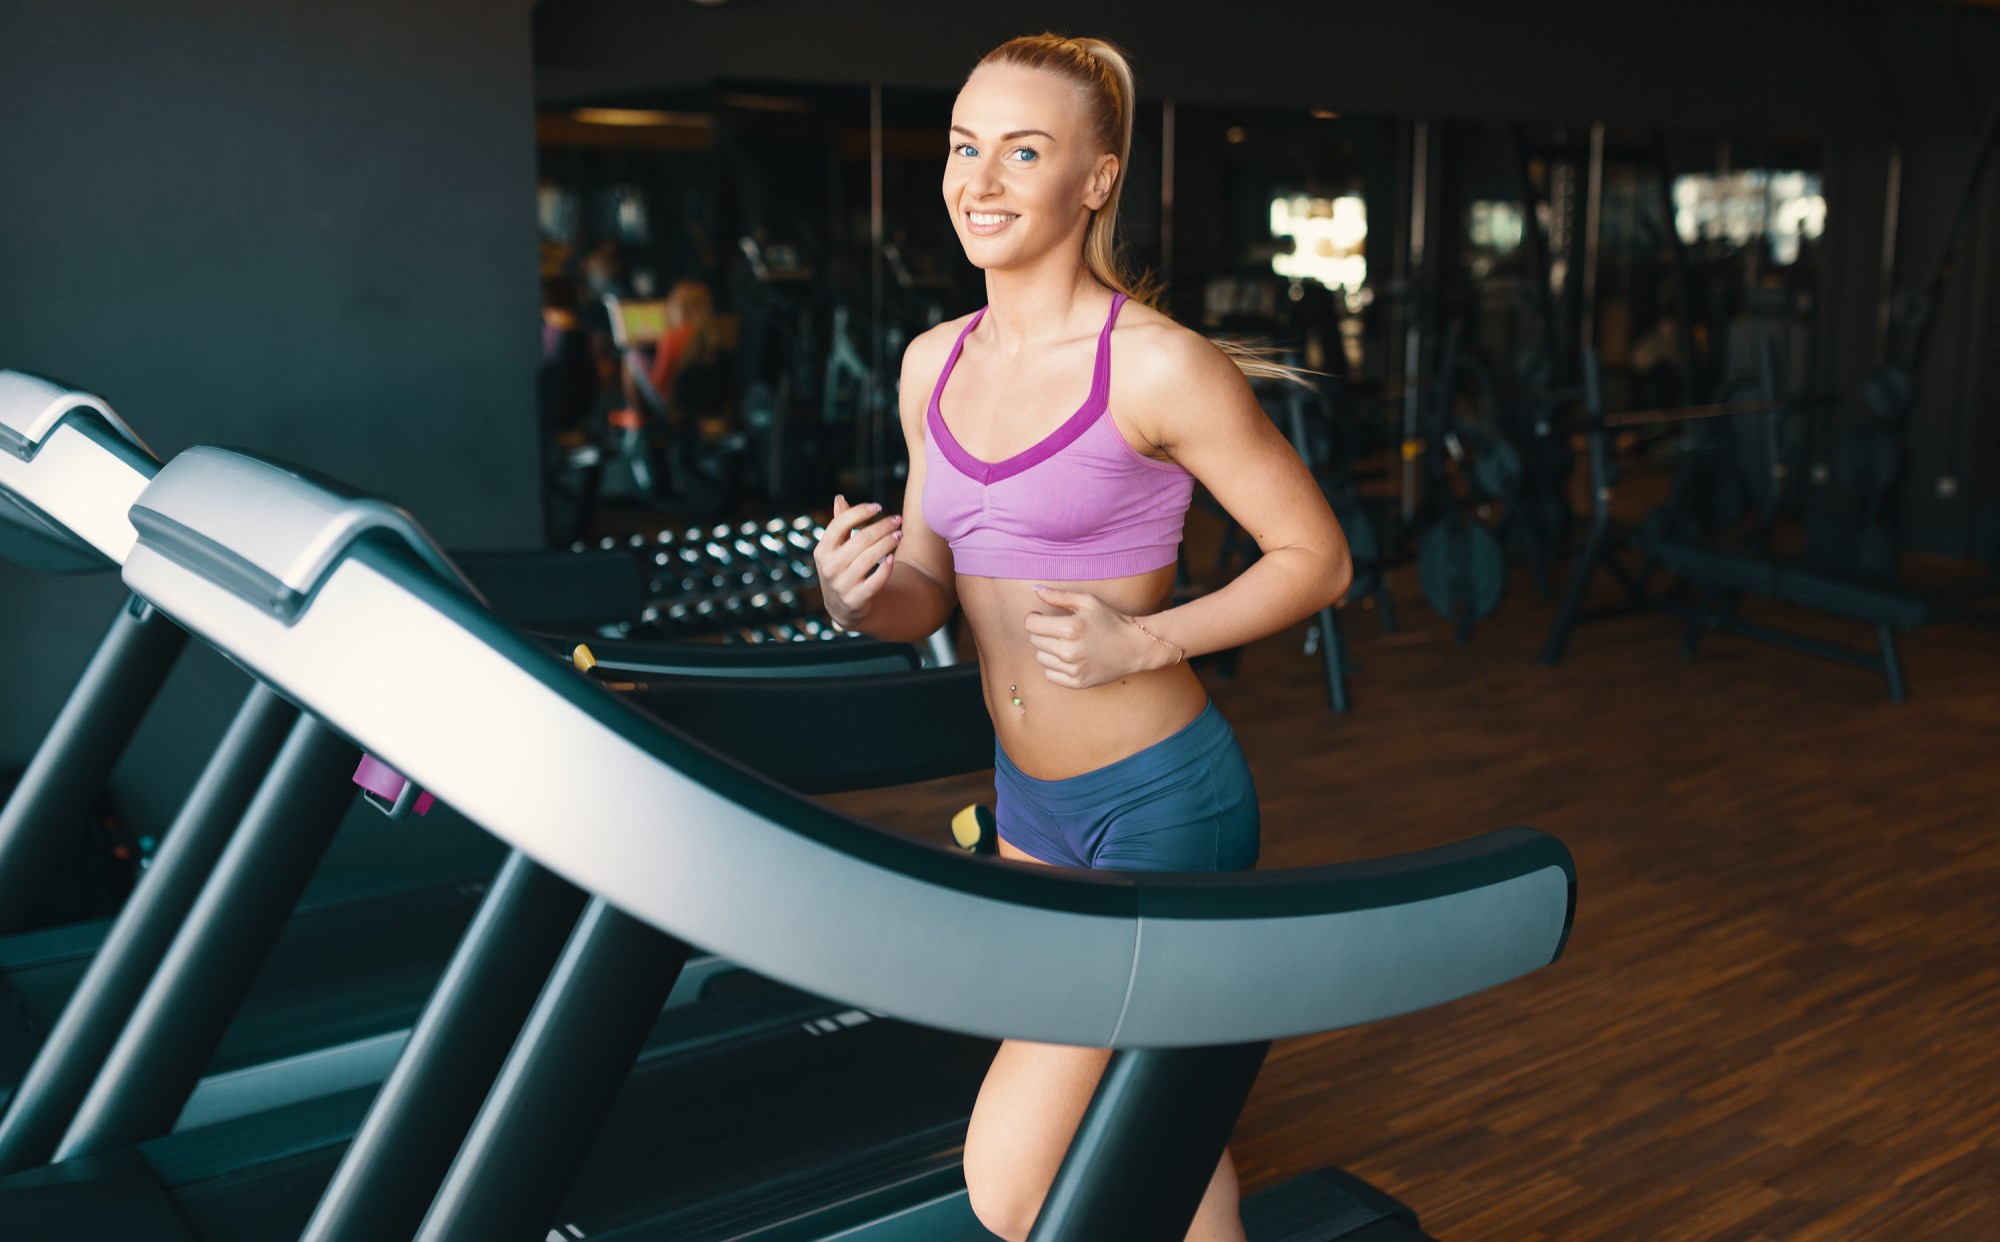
(1779, 1015)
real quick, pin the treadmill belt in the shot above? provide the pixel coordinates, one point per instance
(348, 973)
(705, 1140)
(706, 1147)
(340, 972)
(114, 1192)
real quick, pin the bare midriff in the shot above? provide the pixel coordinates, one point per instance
(1055, 731)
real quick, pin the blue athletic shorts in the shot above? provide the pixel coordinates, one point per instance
(1185, 803)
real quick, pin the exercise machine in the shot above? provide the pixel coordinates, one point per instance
(1188, 978)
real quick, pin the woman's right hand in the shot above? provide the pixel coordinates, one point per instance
(853, 560)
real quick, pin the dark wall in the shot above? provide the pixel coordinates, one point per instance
(306, 229)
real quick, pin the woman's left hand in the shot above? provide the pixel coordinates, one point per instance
(1090, 644)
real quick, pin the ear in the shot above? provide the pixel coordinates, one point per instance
(1102, 178)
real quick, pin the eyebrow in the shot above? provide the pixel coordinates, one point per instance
(1009, 136)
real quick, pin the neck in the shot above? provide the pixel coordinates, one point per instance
(1055, 299)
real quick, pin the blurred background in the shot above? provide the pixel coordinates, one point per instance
(1683, 314)
(570, 271)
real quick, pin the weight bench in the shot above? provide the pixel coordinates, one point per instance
(1718, 572)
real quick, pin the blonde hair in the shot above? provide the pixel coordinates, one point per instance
(689, 302)
(1101, 69)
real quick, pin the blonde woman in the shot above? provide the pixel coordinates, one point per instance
(1055, 438)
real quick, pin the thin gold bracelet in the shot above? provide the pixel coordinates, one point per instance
(1180, 653)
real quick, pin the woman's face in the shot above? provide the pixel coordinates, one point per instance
(1025, 172)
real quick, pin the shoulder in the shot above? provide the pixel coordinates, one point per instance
(1160, 356)
(927, 349)
(923, 360)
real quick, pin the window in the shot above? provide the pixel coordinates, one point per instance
(1328, 239)
(1784, 207)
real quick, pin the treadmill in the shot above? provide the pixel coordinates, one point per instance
(1188, 978)
(69, 470)
(350, 970)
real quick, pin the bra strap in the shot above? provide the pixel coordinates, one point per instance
(958, 347)
(1100, 379)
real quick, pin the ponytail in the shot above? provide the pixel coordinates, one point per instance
(1102, 70)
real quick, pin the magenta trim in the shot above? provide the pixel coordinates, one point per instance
(1093, 407)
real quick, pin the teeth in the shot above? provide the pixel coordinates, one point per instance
(990, 217)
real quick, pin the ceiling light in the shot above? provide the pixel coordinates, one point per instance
(635, 117)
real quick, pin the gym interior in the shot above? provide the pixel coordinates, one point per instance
(1628, 828)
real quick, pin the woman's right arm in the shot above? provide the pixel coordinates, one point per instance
(912, 591)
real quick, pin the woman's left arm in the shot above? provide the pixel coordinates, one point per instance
(1201, 410)
(1191, 400)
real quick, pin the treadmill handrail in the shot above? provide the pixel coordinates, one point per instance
(289, 526)
(415, 671)
(31, 406)
(70, 469)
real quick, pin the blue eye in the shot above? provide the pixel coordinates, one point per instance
(961, 148)
(1030, 152)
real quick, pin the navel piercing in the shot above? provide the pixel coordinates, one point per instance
(1015, 691)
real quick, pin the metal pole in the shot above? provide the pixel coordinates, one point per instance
(1597, 544)
(1886, 288)
(404, 1148)
(202, 980)
(73, 764)
(1413, 327)
(872, 399)
(1683, 290)
(1148, 1144)
(560, 1081)
(1167, 192)
(47, 1099)
(1593, 221)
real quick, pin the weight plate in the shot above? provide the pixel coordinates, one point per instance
(1462, 569)
(1496, 468)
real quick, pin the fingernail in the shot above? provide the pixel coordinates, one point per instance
(896, 535)
(839, 499)
(874, 507)
(898, 519)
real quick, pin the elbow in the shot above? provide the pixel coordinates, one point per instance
(1339, 579)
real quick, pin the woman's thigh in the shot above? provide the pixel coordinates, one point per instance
(1030, 1104)
(1029, 1107)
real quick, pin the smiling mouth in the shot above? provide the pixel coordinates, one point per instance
(989, 221)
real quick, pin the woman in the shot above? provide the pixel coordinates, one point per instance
(1058, 532)
(689, 339)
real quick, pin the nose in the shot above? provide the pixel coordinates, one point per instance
(984, 179)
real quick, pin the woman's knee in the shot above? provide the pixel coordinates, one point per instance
(1004, 1201)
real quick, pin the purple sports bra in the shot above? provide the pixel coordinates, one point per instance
(1082, 504)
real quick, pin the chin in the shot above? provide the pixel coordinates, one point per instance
(991, 258)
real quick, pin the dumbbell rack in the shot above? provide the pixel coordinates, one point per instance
(752, 582)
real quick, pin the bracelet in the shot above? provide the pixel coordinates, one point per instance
(838, 627)
(1180, 653)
